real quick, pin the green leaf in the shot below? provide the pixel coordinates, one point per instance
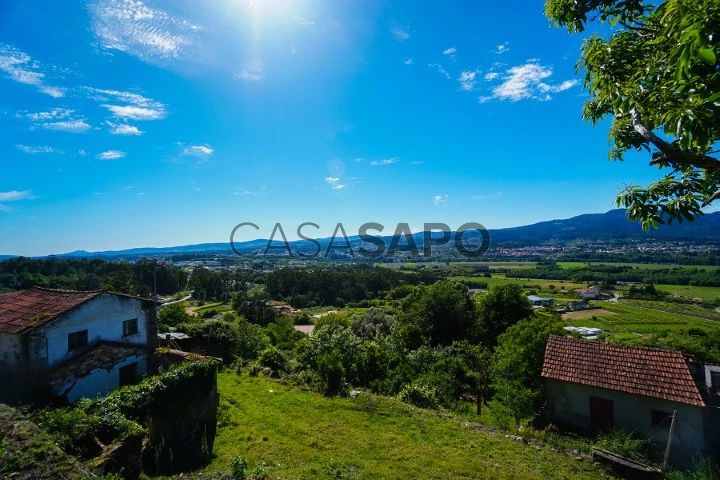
(707, 55)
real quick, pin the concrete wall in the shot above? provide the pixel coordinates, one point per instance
(11, 351)
(101, 381)
(569, 403)
(102, 317)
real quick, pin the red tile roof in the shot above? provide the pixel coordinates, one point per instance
(651, 372)
(23, 311)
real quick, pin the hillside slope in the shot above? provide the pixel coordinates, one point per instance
(300, 434)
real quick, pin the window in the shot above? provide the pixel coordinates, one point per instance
(128, 374)
(658, 418)
(130, 327)
(77, 340)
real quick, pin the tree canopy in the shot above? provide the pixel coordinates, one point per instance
(656, 77)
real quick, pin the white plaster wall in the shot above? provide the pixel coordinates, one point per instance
(102, 317)
(101, 381)
(570, 403)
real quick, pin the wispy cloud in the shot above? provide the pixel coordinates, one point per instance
(487, 197)
(13, 196)
(123, 129)
(202, 151)
(527, 81)
(491, 76)
(450, 52)
(500, 49)
(409, 61)
(70, 126)
(20, 67)
(149, 34)
(128, 105)
(440, 69)
(440, 200)
(53, 114)
(38, 149)
(111, 155)
(387, 161)
(334, 182)
(468, 79)
(401, 34)
(252, 71)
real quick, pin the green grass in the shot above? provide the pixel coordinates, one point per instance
(301, 434)
(706, 293)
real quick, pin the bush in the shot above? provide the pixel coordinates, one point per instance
(238, 467)
(623, 443)
(273, 358)
(420, 395)
(331, 372)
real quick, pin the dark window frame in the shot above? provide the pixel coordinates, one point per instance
(660, 418)
(127, 331)
(77, 340)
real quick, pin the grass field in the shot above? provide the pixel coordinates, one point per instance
(706, 293)
(300, 434)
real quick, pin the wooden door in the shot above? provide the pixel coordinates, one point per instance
(602, 414)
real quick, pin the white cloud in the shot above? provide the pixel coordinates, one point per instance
(500, 49)
(400, 34)
(53, 114)
(39, 149)
(491, 76)
(128, 105)
(440, 69)
(71, 126)
(252, 71)
(409, 61)
(198, 151)
(440, 200)
(450, 52)
(527, 82)
(14, 196)
(123, 129)
(111, 155)
(468, 79)
(334, 182)
(150, 34)
(387, 161)
(20, 67)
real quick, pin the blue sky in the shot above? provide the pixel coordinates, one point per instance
(128, 123)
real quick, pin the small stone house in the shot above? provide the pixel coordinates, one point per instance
(80, 344)
(593, 386)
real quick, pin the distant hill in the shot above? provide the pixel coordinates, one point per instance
(612, 225)
(591, 227)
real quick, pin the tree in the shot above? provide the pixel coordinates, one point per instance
(498, 309)
(656, 77)
(444, 312)
(174, 314)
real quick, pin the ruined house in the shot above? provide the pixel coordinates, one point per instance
(75, 344)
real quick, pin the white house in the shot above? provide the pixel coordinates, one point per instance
(592, 386)
(536, 301)
(591, 293)
(81, 344)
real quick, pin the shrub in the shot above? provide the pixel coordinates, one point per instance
(238, 467)
(274, 358)
(622, 442)
(331, 372)
(420, 395)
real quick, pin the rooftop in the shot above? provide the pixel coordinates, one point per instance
(23, 311)
(651, 372)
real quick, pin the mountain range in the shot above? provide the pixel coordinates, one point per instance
(612, 226)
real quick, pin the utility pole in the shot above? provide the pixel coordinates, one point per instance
(669, 442)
